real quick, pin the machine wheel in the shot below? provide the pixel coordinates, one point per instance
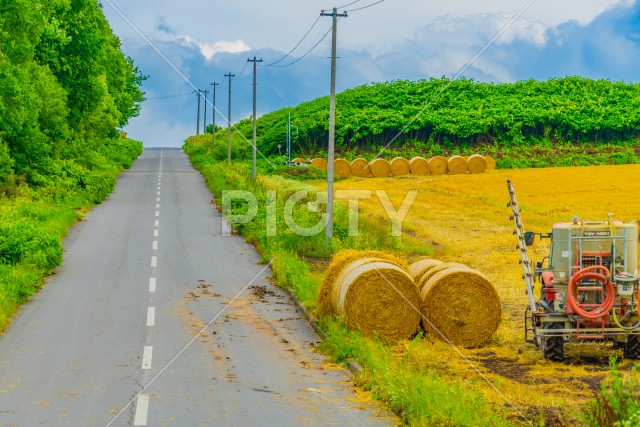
(632, 347)
(553, 347)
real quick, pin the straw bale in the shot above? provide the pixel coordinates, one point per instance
(320, 163)
(342, 168)
(477, 164)
(438, 165)
(420, 267)
(457, 165)
(462, 305)
(491, 163)
(419, 166)
(360, 168)
(299, 160)
(399, 166)
(338, 263)
(380, 168)
(429, 273)
(377, 298)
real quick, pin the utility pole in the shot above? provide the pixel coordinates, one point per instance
(214, 84)
(332, 120)
(204, 130)
(255, 150)
(198, 93)
(229, 119)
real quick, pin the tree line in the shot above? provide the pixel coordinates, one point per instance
(65, 89)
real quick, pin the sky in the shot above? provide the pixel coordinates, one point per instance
(193, 43)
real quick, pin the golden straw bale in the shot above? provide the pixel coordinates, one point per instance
(299, 160)
(438, 165)
(360, 168)
(400, 166)
(377, 298)
(320, 163)
(457, 165)
(338, 263)
(342, 168)
(419, 166)
(429, 273)
(380, 168)
(477, 164)
(491, 163)
(420, 267)
(461, 305)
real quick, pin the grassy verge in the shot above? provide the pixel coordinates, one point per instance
(34, 221)
(419, 393)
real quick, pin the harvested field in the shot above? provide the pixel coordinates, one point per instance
(465, 219)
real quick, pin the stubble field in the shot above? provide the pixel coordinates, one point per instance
(464, 218)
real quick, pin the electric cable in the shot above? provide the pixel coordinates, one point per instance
(347, 5)
(296, 46)
(168, 96)
(308, 52)
(365, 7)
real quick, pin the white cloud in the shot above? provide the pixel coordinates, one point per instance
(209, 50)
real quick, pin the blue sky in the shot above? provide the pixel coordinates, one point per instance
(395, 39)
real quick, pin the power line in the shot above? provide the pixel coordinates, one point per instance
(167, 97)
(241, 72)
(308, 52)
(296, 46)
(347, 5)
(364, 7)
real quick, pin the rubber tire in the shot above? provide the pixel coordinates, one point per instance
(632, 347)
(553, 347)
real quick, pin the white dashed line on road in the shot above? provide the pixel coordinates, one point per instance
(152, 284)
(142, 410)
(147, 355)
(151, 316)
(154, 261)
(155, 245)
(155, 233)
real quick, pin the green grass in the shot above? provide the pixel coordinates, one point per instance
(420, 396)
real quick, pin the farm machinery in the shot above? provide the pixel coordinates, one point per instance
(588, 284)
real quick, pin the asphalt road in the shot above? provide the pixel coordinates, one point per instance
(159, 318)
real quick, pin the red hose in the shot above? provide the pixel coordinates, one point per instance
(588, 273)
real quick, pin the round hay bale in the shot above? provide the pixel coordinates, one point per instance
(429, 273)
(419, 166)
(491, 163)
(320, 163)
(342, 168)
(360, 168)
(438, 165)
(457, 165)
(380, 168)
(477, 164)
(420, 267)
(299, 160)
(377, 298)
(462, 305)
(338, 263)
(400, 166)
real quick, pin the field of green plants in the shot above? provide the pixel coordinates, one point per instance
(559, 122)
(65, 90)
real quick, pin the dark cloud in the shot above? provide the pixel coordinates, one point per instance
(608, 47)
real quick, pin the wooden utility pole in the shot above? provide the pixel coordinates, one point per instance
(204, 129)
(332, 120)
(255, 150)
(213, 121)
(229, 120)
(198, 94)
